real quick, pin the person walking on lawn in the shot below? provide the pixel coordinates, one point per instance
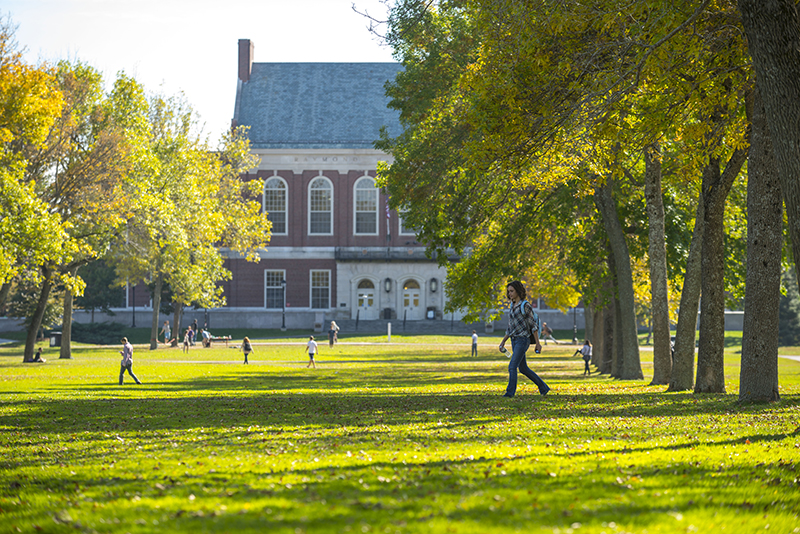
(247, 348)
(312, 350)
(523, 324)
(127, 361)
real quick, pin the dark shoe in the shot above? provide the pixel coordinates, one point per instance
(507, 395)
(545, 392)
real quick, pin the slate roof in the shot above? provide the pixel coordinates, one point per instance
(316, 105)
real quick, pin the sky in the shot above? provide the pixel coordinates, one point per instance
(191, 46)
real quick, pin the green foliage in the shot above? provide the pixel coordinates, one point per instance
(98, 333)
(25, 298)
(30, 103)
(101, 292)
(508, 103)
(404, 437)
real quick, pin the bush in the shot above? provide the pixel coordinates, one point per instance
(97, 333)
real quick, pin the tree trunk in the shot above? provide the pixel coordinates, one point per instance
(597, 336)
(66, 322)
(588, 322)
(630, 368)
(659, 298)
(608, 336)
(758, 378)
(38, 314)
(710, 355)
(4, 290)
(773, 38)
(156, 311)
(176, 327)
(686, 330)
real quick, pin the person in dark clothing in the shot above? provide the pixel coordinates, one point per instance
(247, 348)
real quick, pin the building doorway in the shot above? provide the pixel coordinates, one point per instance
(367, 311)
(412, 310)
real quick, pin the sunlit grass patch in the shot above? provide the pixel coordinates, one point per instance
(410, 437)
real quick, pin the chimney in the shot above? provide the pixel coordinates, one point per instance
(245, 59)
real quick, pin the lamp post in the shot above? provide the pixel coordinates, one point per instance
(283, 312)
(133, 290)
(575, 325)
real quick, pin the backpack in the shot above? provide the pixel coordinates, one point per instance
(537, 322)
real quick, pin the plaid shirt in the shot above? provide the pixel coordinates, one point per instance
(522, 320)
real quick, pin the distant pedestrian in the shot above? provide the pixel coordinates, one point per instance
(206, 337)
(332, 334)
(193, 334)
(523, 326)
(586, 352)
(247, 348)
(474, 343)
(127, 361)
(547, 333)
(167, 331)
(312, 350)
(186, 339)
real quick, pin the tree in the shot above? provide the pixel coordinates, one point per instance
(662, 357)
(101, 292)
(626, 340)
(758, 377)
(773, 40)
(78, 171)
(189, 202)
(29, 105)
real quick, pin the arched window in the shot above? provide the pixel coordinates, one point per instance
(275, 204)
(366, 207)
(320, 206)
(411, 284)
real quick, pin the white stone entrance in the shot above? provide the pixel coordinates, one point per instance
(367, 305)
(412, 307)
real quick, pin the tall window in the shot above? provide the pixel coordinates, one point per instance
(274, 289)
(366, 206)
(320, 206)
(404, 228)
(320, 289)
(275, 204)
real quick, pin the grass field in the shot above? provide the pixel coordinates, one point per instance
(411, 436)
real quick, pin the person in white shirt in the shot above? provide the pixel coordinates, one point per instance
(312, 350)
(474, 343)
(127, 361)
(586, 351)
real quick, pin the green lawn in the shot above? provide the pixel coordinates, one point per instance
(403, 437)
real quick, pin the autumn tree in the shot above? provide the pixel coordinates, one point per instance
(78, 171)
(189, 203)
(29, 105)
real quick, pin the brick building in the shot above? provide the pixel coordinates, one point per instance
(340, 250)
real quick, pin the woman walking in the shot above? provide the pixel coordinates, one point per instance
(246, 348)
(523, 325)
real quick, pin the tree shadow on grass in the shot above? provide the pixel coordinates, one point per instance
(485, 493)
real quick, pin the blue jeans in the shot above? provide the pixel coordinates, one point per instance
(519, 346)
(128, 368)
(474, 349)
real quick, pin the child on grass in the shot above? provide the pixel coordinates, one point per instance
(312, 350)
